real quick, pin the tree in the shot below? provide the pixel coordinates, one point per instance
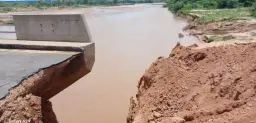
(253, 11)
(247, 3)
(228, 3)
(115, 1)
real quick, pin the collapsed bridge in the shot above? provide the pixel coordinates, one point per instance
(51, 52)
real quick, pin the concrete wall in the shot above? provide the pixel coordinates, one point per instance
(52, 27)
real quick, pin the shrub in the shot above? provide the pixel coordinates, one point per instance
(246, 3)
(213, 4)
(228, 3)
(5, 9)
(41, 4)
(253, 9)
(186, 8)
(181, 5)
(177, 6)
(228, 37)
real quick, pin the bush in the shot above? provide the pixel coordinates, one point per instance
(253, 9)
(186, 8)
(246, 3)
(228, 4)
(181, 5)
(208, 4)
(41, 4)
(5, 9)
(176, 6)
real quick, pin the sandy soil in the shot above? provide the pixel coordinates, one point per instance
(209, 85)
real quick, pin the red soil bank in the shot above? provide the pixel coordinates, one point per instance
(211, 85)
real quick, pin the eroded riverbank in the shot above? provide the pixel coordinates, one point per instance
(213, 82)
(128, 39)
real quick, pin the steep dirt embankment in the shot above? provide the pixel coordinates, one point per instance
(210, 85)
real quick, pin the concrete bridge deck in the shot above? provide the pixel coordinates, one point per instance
(23, 59)
(17, 65)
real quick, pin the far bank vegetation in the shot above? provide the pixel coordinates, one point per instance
(211, 10)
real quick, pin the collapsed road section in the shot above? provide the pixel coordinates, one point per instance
(52, 51)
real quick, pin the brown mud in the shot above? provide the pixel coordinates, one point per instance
(29, 108)
(209, 85)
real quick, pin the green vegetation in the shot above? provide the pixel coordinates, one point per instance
(253, 9)
(8, 7)
(228, 37)
(185, 5)
(212, 10)
(215, 38)
(221, 14)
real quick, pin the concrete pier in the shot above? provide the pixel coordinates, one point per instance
(52, 27)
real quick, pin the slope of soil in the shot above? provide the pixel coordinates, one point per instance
(209, 85)
(27, 109)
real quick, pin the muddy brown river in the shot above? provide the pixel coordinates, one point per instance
(128, 39)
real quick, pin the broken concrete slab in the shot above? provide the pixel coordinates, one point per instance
(52, 51)
(20, 65)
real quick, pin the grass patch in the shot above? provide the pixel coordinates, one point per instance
(221, 14)
(5, 9)
(14, 7)
(215, 38)
(228, 37)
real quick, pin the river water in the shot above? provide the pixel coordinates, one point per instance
(128, 39)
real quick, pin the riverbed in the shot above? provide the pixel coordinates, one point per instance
(128, 39)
